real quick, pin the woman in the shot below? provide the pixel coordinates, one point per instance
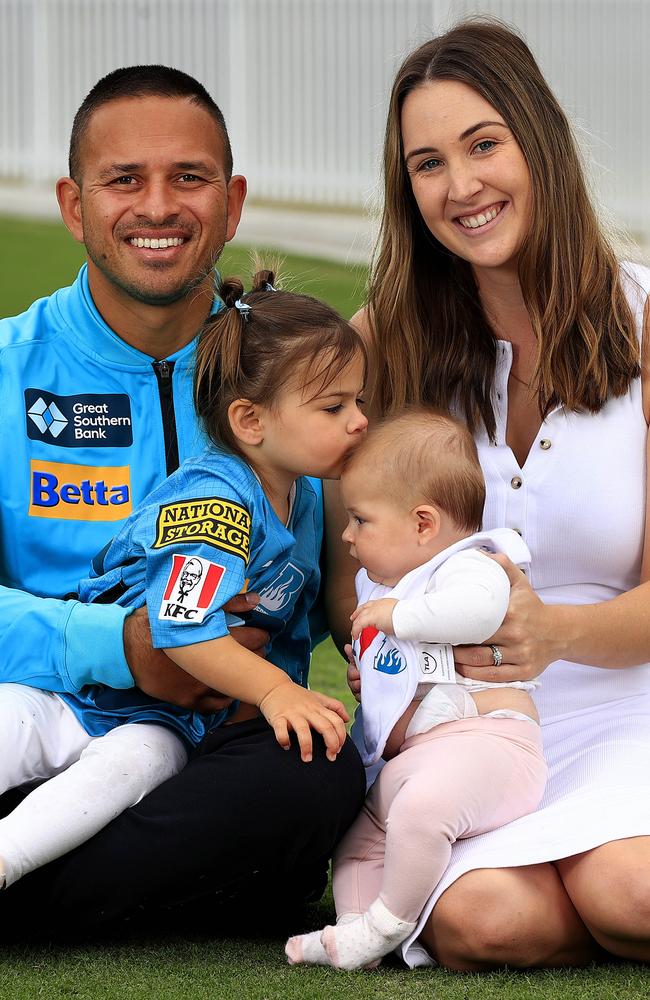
(495, 294)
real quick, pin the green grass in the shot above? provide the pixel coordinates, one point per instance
(40, 257)
(235, 969)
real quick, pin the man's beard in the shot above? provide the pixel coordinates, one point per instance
(116, 272)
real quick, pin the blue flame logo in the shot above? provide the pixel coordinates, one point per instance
(276, 595)
(388, 661)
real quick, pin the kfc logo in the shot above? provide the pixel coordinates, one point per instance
(190, 589)
(191, 573)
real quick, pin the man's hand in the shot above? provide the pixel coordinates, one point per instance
(377, 613)
(289, 707)
(158, 676)
(255, 639)
(161, 678)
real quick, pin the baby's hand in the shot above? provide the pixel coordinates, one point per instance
(378, 613)
(289, 707)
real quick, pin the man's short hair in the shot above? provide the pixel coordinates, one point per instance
(142, 81)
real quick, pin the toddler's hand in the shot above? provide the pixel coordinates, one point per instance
(378, 613)
(289, 707)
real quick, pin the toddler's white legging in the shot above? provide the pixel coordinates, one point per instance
(458, 780)
(91, 779)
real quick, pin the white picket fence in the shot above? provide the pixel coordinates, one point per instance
(304, 83)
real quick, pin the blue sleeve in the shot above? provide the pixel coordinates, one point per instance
(196, 551)
(187, 586)
(69, 645)
(49, 643)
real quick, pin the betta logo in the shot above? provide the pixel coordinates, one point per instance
(388, 659)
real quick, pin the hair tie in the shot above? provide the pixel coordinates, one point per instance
(243, 309)
(268, 287)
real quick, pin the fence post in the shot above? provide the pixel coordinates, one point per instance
(238, 51)
(40, 159)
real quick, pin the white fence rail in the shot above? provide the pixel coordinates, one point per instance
(304, 83)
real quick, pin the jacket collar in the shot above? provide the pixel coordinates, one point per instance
(93, 337)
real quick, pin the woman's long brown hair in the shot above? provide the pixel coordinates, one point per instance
(432, 340)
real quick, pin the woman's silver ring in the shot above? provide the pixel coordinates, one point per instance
(497, 655)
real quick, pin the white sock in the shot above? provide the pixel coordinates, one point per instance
(361, 942)
(308, 949)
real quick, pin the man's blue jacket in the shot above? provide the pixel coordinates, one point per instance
(89, 426)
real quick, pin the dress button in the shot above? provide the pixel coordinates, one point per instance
(516, 482)
(545, 444)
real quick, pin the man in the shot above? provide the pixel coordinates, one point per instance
(97, 398)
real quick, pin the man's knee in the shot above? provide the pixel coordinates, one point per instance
(331, 791)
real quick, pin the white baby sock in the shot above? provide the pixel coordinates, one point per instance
(308, 949)
(360, 942)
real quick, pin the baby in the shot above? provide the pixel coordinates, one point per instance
(463, 756)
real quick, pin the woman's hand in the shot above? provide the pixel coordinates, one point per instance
(354, 676)
(527, 638)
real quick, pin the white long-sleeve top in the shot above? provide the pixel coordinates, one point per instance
(458, 596)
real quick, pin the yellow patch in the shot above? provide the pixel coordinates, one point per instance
(79, 492)
(213, 520)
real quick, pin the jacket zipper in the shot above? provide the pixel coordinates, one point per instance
(164, 371)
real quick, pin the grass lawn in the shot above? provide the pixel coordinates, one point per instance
(40, 257)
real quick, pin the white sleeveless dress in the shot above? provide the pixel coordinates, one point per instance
(579, 502)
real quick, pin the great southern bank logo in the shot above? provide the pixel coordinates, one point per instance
(98, 420)
(47, 418)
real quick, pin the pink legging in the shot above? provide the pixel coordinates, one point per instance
(458, 780)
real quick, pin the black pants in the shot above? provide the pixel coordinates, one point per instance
(243, 813)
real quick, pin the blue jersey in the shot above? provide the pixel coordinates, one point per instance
(204, 535)
(89, 427)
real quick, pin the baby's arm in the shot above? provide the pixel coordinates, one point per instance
(468, 604)
(226, 666)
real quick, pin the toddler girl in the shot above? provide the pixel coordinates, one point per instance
(278, 388)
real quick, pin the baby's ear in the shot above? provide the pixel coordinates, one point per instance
(245, 423)
(427, 522)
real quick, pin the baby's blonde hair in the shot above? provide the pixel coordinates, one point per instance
(425, 455)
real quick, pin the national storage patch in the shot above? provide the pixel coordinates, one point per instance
(214, 520)
(79, 492)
